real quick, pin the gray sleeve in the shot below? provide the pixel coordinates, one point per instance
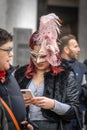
(60, 108)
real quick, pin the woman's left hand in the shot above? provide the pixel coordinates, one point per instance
(30, 127)
(26, 126)
(43, 102)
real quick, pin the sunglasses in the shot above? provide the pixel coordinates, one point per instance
(7, 50)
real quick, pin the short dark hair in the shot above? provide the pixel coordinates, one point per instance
(5, 36)
(65, 40)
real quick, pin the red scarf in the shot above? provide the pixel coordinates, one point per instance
(2, 76)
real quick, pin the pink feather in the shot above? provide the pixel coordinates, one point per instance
(49, 31)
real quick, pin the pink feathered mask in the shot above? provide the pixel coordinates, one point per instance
(49, 30)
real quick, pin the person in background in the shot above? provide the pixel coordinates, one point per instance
(3, 120)
(69, 50)
(9, 88)
(54, 87)
(85, 62)
(85, 119)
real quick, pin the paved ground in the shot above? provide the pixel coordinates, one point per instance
(84, 128)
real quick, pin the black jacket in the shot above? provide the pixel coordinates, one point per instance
(11, 94)
(62, 87)
(80, 70)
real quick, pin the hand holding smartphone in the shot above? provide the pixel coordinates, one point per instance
(27, 93)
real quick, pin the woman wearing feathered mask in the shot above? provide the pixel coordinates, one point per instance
(54, 87)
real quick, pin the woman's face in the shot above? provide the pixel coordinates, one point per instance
(39, 58)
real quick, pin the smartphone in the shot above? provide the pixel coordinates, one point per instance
(27, 93)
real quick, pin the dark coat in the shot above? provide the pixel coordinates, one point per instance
(11, 94)
(62, 87)
(80, 70)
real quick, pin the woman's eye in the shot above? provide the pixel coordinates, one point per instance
(34, 56)
(43, 57)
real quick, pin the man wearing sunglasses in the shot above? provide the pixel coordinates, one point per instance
(9, 89)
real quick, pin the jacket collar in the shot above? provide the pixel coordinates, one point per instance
(10, 71)
(68, 61)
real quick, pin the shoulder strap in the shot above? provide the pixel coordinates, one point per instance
(77, 117)
(10, 113)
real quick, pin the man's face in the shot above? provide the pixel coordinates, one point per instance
(5, 56)
(73, 49)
